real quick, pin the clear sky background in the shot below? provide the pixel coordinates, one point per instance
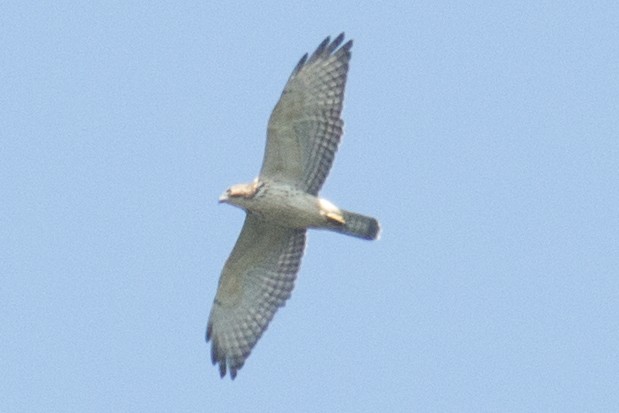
(483, 135)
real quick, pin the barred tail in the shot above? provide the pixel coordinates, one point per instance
(358, 225)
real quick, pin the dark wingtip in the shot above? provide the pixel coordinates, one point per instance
(300, 64)
(347, 46)
(215, 354)
(214, 358)
(327, 47)
(209, 331)
(324, 49)
(336, 43)
(322, 46)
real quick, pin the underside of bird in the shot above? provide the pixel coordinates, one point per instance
(303, 135)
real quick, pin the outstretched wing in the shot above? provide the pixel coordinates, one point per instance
(256, 280)
(305, 127)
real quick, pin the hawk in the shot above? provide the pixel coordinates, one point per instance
(303, 134)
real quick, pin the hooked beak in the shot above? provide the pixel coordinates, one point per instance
(223, 197)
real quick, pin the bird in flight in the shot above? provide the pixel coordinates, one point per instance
(303, 135)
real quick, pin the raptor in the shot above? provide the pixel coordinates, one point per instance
(303, 135)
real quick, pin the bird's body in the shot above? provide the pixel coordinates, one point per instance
(289, 207)
(281, 204)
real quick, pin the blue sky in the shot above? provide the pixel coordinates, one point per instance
(484, 136)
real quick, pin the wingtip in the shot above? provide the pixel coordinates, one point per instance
(224, 369)
(299, 64)
(336, 42)
(218, 360)
(348, 45)
(323, 45)
(325, 48)
(209, 331)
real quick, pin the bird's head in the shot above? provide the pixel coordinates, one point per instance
(241, 194)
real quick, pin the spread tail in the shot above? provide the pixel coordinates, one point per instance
(358, 225)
